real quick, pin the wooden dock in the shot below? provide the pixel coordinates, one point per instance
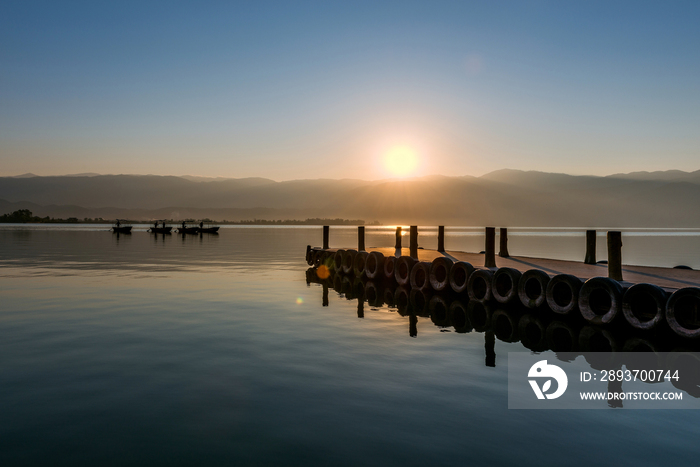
(600, 292)
(666, 278)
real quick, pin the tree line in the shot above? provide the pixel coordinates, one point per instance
(24, 216)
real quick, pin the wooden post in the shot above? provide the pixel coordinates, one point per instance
(441, 238)
(398, 238)
(615, 255)
(504, 243)
(590, 247)
(361, 238)
(414, 241)
(325, 295)
(325, 236)
(490, 247)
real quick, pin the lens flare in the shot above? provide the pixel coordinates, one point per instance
(300, 300)
(323, 272)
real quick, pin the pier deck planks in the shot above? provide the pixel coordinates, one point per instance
(667, 278)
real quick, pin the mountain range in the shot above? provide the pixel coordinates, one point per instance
(501, 198)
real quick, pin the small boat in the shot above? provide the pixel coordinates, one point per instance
(121, 226)
(160, 230)
(208, 228)
(185, 229)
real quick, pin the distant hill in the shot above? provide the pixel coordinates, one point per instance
(667, 176)
(502, 198)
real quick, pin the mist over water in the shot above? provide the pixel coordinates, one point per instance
(214, 350)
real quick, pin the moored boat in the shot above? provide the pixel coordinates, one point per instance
(164, 229)
(185, 229)
(208, 228)
(121, 226)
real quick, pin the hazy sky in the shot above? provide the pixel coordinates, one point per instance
(307, 90)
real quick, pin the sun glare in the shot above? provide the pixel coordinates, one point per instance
(401, 161)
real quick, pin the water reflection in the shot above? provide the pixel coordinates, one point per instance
(75, 252)
(568, 337)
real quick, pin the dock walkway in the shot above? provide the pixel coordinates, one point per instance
(667, 278)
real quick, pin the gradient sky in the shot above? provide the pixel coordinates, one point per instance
(323, 90)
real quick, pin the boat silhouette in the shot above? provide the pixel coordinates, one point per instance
(121, 226)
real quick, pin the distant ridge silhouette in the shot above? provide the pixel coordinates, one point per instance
(504, 198)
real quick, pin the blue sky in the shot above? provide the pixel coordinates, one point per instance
(294, 90)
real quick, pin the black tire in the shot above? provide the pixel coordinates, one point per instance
(440, 273)
(338, 260)
(327, 259)
(479, 285)
(420, 276)
(374, 266)
(644, 306)
(459, 275)
(359, 263)
(562, 293)
(600, 300)
(348, 261)
(683, 312)
(532, 288)
(390, 268)
(402, 270)
(318, 258)
(504, 285)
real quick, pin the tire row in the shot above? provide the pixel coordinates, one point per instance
(599, 300)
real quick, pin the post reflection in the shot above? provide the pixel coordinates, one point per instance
(568, 337)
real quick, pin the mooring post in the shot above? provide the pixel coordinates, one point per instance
(361, 238)
(441, 238)
(490, 247)
(398, 238)
(504, 243)
(325, 295)
(615, 255)
(414, 241)
(590, 247)
(326, 229)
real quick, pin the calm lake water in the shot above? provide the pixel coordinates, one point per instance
(161, 350)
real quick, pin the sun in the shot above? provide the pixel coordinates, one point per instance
(401, 161)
